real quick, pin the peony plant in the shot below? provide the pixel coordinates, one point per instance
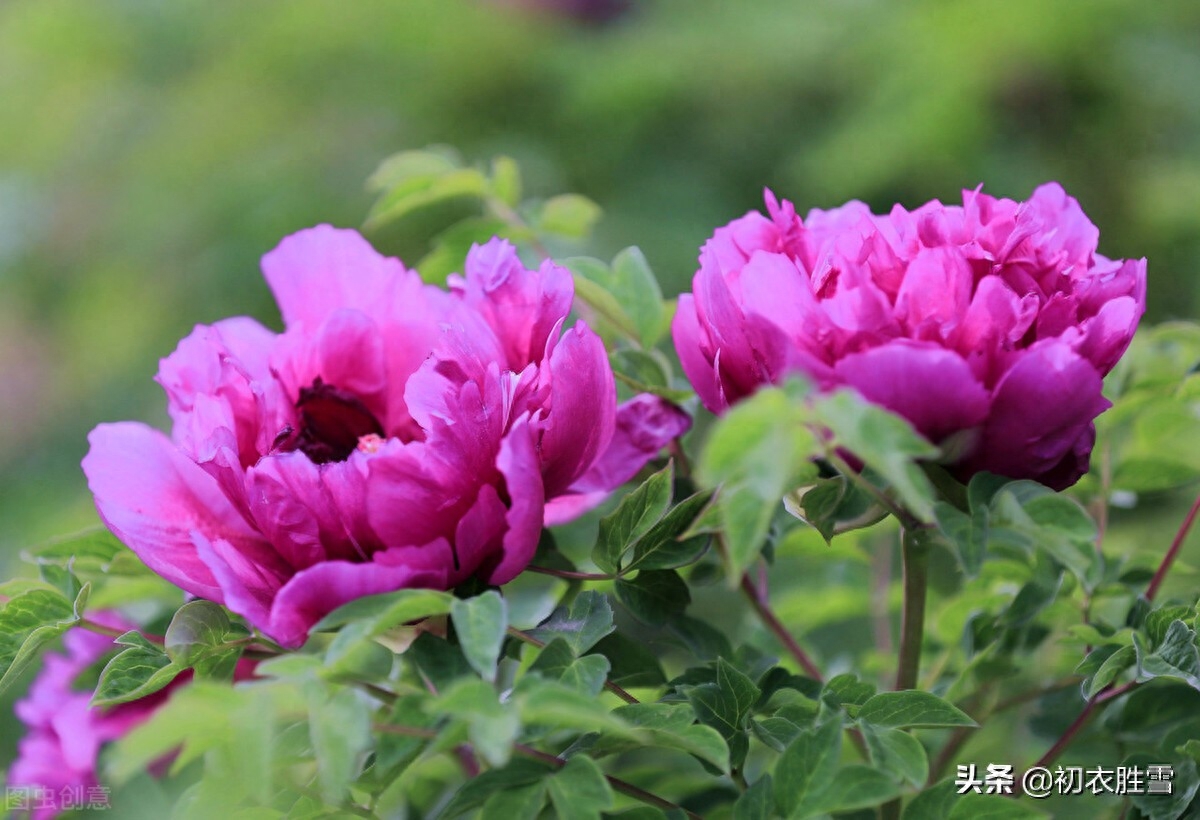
(383, 565)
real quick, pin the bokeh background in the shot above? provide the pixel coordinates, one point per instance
(152, 150)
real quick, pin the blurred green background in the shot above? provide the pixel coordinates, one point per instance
(152, 150)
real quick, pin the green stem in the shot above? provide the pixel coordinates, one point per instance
(915, 554)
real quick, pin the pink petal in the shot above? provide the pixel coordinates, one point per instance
(315, 592)
(1042, 410)
(319, 270)
(579, 425)
(248, 585)
(153, 497)
(522, 306)
(695, 354)
(518, 461)
(930, 386)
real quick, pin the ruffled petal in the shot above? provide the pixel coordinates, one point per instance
(930, 386)
(153, 497)
(1041, 410)
(645, 424)
(695, 354)
(518, 462)
(582, 412)
(315, 592)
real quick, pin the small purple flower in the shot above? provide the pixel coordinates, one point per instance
(394, 435)
(988, 326)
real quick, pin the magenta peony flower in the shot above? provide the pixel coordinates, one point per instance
(988, 326)
(394, 435)
(56, 762)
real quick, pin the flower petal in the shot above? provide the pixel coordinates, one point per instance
(153, 497)
(518, 461)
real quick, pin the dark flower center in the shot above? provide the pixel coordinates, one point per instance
(331, 423)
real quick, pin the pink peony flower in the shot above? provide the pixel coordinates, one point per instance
(56, 761)
(988, 326)
(394, 435)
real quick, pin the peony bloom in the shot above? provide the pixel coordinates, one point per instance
(56, 761)
(988, 326)
(394, 435)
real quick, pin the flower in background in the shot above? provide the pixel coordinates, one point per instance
(988, 326)
(56, 760)
(394, 435)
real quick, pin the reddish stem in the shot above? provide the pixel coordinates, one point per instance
(778, 629)
(1173, 552)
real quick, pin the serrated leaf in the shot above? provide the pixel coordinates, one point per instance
(492, 726)
(588, 619)
(637, 513)
(558, 663)
(133, 674)
(912, 708)
(1176, 657)
(726, 704)
(579, 790)
(28, 622)
(1116, 663)
(480, 624)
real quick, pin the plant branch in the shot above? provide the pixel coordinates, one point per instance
(1173, 552)
(915, 555)
(557, 762)
(571, 574)
(525, 637)
(881, 498)
(1081, 721)
(769, 619)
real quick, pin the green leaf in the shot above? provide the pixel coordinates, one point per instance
(662, 547)
(557, 662)
(555, 706)
(506, 180)
(588, 619)
(437, 660)
(28, 622)
(973, 806)
(388, 609)
(883, 441)
(726, 704)
(480, 623)
(588, 274)
(1184, 784)
(423, 191)
(968, 534)
(520, 803)
(912, 708)
(1112, 666)
(1175, 657)
(637, 513)
(339, 725)
(935, 803)
(756, 452)
(654, 596)
(406, 165)
(852, 787)
(569, 215)
(196, 628)
(579, 790)
(833, 506)
(756, 802)
(491, 726)
(898, 753)
(668, 726)
(631, 663)
(807, 766)
(477, 790)
(134, 673)
(636, 288)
